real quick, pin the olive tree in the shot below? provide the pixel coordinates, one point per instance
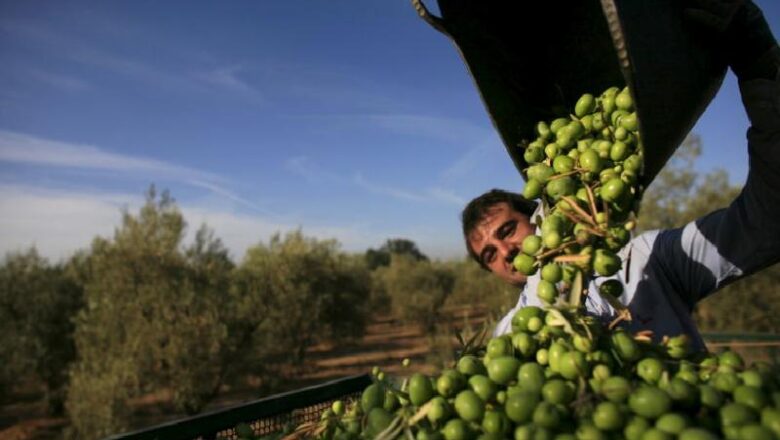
(37, 304)
(417, 289)
(152, 319)
(294, 291)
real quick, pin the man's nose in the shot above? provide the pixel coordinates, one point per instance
(507, 250)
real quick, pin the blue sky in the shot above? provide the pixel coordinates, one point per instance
(351, 119)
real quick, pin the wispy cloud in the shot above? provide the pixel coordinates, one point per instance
(181, 75)
(314, 173)
(219, 190)
(59, 81)
(446, 196)
(469, 160)
(25, 149)
(229, 78)
(432, 194)
(395, 193)
(85, 52)
(431, 127)
(305, 167)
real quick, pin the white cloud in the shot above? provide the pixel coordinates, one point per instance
(22, 148)
(27, 149)
(57, 223)
(60, 222)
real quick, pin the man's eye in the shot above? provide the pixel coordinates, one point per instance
(507, 229)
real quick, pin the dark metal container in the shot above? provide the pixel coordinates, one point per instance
(531, 61)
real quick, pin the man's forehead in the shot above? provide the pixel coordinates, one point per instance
(488, 217)
(492, 212)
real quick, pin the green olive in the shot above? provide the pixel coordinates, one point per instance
(546, 291)
(532, 244)
(590, 161)
(543, 130)
(612, 288)
(563, 186)
(587, 123)
(605, 262)
(630, 122)
(613, 190)
(616, 116)
(612, 91)
(586, 104)
(608, 104)
(533, 189)
(552, 150)
(575, 129)
(563, 164)
(525, 264)
(619, 151)
(540, 172)
(623, 100)
(558, 124)
(533, 154)
(606, 175)
(599, 122)
(552, 272)
(551, 239)
(552, 223)
(584, 144)
(632, 163)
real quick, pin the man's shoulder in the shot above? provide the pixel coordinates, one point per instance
(504, 326)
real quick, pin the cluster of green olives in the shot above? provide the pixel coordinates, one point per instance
(561, 375)
(584, 170)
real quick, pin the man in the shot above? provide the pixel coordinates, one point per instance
(666, 272)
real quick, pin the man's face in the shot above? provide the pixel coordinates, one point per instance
(497, 239)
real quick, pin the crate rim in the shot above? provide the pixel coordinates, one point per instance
(207, 424)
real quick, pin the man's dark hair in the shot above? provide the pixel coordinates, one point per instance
(477, 208)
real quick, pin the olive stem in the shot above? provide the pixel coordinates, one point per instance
(558, 176)
(576, 219)
(554, 251)
(573, 217)
(591, 200)
(606, 211)
(572, 259)
(579, 210)
(623, 315)
(596, 232)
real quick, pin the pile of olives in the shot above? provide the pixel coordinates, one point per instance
(561, 375)
(584, 171)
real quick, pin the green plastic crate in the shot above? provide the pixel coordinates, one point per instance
(266, 416)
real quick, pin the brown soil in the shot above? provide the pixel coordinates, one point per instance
(385, 344)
